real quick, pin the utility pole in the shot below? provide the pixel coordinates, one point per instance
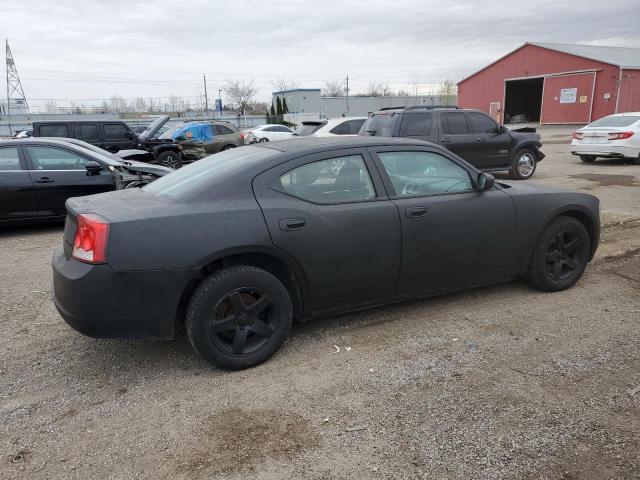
(347, 91)
(206, 99)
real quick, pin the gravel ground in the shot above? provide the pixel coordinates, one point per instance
(500, 382)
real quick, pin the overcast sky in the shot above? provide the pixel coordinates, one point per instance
(93, 49)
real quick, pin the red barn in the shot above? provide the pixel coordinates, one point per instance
(556, 83)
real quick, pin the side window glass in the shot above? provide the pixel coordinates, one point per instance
(87, 132)
(424, 173)
(49, 158)
(479, 123)
(354, 126)
(416, 124)
(9, 159)
(339, 129)
(222, 130)
(115, 131)
(54, 130)
(335, 180)
(454, 123)
(283, 129)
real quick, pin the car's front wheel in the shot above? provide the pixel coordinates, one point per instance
(588, 158)
(169, 159)
(560, 256)
(238, 317)
(523, 165)
(264, 139)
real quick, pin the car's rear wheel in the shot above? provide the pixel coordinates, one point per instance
(238, 317)
(228, 147)
(523, 165)
(264, 139)
(560, 256)
(169, 159)
(587, 158)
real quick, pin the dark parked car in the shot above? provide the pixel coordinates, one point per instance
(115, 136)
(470, 134)
(238, 245)
(222, 136)
(37, 176)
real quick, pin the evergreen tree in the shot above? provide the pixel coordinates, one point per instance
(268, 117)
(272, 117)
(278, 110)
(285, 109)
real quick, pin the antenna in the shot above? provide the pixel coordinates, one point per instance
(16, 100)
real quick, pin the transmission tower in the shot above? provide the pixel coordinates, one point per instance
(16, 100)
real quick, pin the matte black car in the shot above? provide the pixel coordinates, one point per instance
(470, 134)
(239, 244)
(38, 175)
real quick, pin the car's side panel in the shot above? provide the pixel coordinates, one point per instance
(350, 252)
(17, 192)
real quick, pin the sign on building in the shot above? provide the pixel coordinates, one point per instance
(568, 95)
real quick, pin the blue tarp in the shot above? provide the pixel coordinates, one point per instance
(200, 132)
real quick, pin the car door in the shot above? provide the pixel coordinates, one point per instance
(88, 132)
(453, 236)
(116, 137)
(417, 125)
(17, 192)
(493, 143)
(59, 173)
(222, 136)
(339, 226)
(455, 136)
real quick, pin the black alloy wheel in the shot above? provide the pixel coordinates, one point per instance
(169, 159)
(563, 255)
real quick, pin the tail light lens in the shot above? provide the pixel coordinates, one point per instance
(577, 135)
(619, 135)
(241, 136)
(92, 236)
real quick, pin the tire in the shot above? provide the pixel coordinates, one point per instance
(263, 140)
(227, 147)
(238, 317)
(523, 169)
(587, 158)
(560, 256)
(636, 160)
(169, 159)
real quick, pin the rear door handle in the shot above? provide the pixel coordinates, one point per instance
(289, 224)
(44, 180)
(414, 212)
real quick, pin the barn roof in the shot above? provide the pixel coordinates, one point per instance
(624, 57)
(620, 56)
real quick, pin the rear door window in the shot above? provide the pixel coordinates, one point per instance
(54, 130)
(454, 123)
(87, 132)
(115, 131)
(480, 123)
(416, 124)
(222, 130)
(9, 159)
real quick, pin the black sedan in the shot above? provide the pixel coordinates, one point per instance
(238, 245)
(37, 176)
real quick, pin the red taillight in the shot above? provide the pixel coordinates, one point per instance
(577, 135)
(92, 235)
(619, 135)
(242, 136)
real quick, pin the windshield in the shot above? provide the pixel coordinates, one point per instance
(194, 180)
(307, 128)
(380, 125)
(615, 121)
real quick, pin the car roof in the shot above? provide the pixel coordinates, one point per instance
(61, 142)
(115, 120)
(320, 144)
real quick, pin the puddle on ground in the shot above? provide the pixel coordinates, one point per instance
(608, 180)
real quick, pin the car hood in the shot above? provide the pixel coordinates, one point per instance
(152, 129)
(525, 135)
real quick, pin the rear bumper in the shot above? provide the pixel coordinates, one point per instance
(99, 302)
(604, 150)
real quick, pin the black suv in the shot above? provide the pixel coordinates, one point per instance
(115, 136)
(471, 134)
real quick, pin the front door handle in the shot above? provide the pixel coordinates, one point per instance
(44, 180)
(444, 140)
(289, 224)
(414, 212)
(479, 139)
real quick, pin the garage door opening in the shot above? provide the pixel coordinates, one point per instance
(523, 100)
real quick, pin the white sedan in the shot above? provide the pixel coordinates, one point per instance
(332, 127)
(615, 136)
(267, 133)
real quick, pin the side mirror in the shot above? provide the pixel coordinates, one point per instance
(128, 135)
(486, 181)
(93, 168)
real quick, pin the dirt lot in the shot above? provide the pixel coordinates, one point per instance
(500, 382)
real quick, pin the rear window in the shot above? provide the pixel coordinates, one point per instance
(453, 123)
(380, 125)
(54, 130)
(416, 124)
(195, 181)
(613, 121)
(87, 131)
(307, 128)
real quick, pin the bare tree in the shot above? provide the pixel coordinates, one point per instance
(240, 93)
(281, 84)
(333, 88)
(403, 93)
(448, 88)
(51, 106)
(118, 104)
(139, 104)
(173, 103)
(376, 89)
(414, 82)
